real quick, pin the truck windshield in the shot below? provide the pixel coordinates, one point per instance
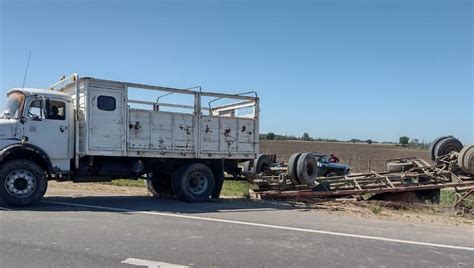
(14, 105)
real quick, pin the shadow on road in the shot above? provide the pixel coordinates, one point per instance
(143, 203)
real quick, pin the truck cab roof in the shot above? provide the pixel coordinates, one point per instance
(42, 92)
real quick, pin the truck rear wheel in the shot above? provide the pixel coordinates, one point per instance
(195, 182)
(159, 186)
(22, 182)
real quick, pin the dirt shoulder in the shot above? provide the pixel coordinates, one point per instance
(374, 210)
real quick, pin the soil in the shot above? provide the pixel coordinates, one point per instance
(358, 156)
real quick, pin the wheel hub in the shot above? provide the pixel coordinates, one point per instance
(197, 183)
(20, 183)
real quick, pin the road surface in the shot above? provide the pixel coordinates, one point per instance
(127, 231)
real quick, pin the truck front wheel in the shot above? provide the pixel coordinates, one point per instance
(195, 182)
(22, 182)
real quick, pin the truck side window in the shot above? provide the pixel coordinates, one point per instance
(106, 103)
(56, 110)
(35, 109)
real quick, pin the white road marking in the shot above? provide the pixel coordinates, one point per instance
(151, 264)
(270, 226)
(7, 209)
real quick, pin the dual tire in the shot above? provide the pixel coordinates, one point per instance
(22, 183)
(303, 168)
(194, 182)
(443, 146)
(466, 159)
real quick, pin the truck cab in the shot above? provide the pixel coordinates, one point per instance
(42, 119)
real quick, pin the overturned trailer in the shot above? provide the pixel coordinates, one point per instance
(453, 167)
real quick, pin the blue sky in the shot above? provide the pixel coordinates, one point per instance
(375, 69)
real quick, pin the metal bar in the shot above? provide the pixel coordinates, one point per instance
(74, 78)
(386, 178)
(175, 90)
(77, 129)
(309, 193)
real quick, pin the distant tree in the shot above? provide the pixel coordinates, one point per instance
(306, 137)
(404, 140)
(270, 136)
(414, 142)
(369, 141)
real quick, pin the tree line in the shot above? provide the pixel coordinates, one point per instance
(403, 141)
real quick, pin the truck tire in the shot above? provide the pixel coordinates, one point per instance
(196, 182)
(159, 186)
(219, 177)
(247, 166)
(466, 159)
(22, 182)
(152, 188)
(292, 163)
(307, 168)
(262, 163)
(433, 146)
(399, 166)
(446, 146)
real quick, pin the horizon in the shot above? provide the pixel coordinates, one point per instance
(335, 69)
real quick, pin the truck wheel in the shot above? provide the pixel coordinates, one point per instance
(196, 182)
(399, 166)
(447, 146)
(160, 186)
(307, 168)
(262, 163)
(247, 166)
(219, 178)
(22, 182)
(433, 146)
(292, 163)
(175, 180)
(466, 159)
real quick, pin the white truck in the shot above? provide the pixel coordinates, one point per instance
(91, 130)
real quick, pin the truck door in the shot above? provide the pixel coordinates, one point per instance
(47, 127)
(107, 129)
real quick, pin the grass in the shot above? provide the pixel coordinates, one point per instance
(448, 198)
(237, 189)
(376, 208)
(231, 188)
(127, 183)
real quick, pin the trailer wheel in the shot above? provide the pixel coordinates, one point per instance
(466, 159)
(22, 182)
(262, 163)
(447, 146)
(196, 182)
(247, 166)
(292, 163)
(433, 146)
(399, 166)
(307, 168)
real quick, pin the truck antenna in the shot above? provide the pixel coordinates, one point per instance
(26, 71)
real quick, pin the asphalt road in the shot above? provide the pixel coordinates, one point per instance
(116, 231)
